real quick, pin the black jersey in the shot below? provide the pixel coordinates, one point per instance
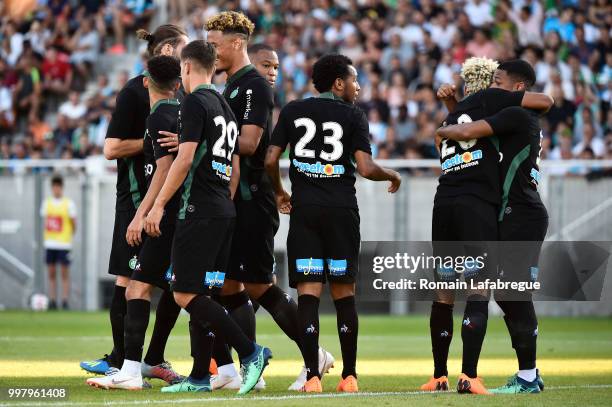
(520, 140)
(205, 118)
(324, 133)
(252, 100)
(128, 122)
(471, 167)
(163, 116)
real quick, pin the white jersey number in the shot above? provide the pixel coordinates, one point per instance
(229, 131)
(466, 145)
(311, 129)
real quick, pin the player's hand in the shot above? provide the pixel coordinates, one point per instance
(396, 180)
(170, 141)
(134, 231)
(283, 202)
(152, 221)
(446, 91)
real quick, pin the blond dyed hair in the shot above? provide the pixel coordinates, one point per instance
(231, 22)
(477, 73)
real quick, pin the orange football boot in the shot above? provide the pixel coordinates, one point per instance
(312, 386)
(348, 385)
(467, 385)
(439, 384)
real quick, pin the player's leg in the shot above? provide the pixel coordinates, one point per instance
(192, 286)
(65, 269)
(309, 294)
(123, 260)
(476, 225)
(347, 323)
(52, 272)
(441, 314)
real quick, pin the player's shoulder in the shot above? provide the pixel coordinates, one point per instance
(252, 81)
(134, 84)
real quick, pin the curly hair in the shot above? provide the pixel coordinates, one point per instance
(231, 22)
(164, 71)
(329, 68)
(477, 73)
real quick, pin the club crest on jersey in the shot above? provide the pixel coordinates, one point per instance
(319, 170)
(234, 93)
(464, 160)
(133, 262)
(309, 266)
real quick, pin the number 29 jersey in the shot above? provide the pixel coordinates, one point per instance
(324, 133)
(206, 118)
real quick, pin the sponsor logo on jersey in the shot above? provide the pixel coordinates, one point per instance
(322, 170)
(336, 267)
(214, 279)
(222, 170)
(247, 109)
(459, 161)
(309, 266)
(535, 176)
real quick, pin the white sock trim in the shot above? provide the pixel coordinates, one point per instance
(528, 374)
(227, 370)
(131, 368)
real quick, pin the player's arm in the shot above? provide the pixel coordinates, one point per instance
(175, 178)
(134, 231)
(278, 144)
(446, 93)
(496, 99)
(366, 167)
(120, 141)
(283, 199)
(502, 123)
(537, 101)
(235, 177)
(255, 119)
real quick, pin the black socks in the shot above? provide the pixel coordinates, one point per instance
(136, 322)
(206, 311)
(165, 318)
(308, 315)
(240, 309)
(118, 309)
(348, 328)
(473, 330)
(441, 330)
(522, 323)
(283, 309)
(201, 349)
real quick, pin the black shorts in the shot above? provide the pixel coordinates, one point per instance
(55, 256)
(521, 233)
(154, 259)
(200, 254)
(123, 257)
(465, 226)
(252, 255)
(323, 244)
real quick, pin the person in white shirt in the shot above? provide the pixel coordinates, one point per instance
(74, 109)
(479, 12)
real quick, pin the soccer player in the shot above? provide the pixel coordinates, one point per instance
(325, 133)
(124, 142)
(265, 60)
(206, 164)
(252, 256)
(162, 81)
(465, 209)
(59, 214)
(522, 215)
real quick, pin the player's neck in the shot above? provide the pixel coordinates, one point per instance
(238, 64)
(157, 97)
(200, 81)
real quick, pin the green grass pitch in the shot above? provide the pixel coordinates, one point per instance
(575, 359)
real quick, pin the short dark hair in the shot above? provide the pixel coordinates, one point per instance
(519, 71)
(164, 71)
(255, 48)
(57, 180)
(202, 52)
(329, 68)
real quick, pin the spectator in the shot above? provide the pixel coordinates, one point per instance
(57, 72)
(85, 45)
(481, 45)
(479, 12)
(12, 46)
(589, 142)
(442, 32)
(27, 92)
(528, 22)
(73, 109)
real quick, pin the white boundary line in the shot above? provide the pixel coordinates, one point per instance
(268, 398)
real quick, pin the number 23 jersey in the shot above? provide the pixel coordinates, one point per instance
(206, 118)
(324, 133)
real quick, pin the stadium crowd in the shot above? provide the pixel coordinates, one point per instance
(55, 102)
